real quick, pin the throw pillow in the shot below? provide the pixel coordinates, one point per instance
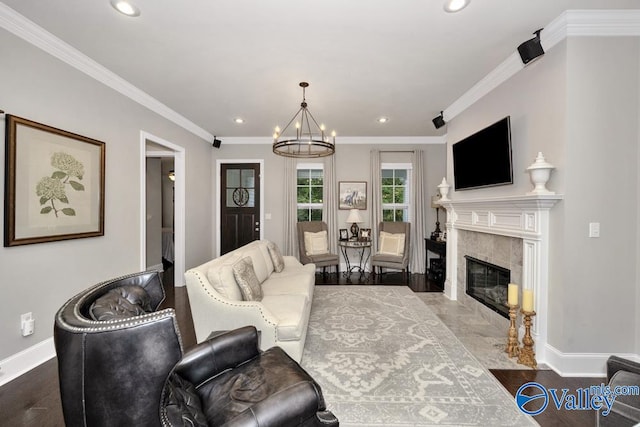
(182, 404)
(120, 303)
(276, 257)
(247, 280)
(391, 244)
(316, 243)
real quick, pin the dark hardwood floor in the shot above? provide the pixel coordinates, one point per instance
(513, 379)
(33, 399)
(417, 282)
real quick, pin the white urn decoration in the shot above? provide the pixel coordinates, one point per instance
(443, 187)
(539, 172)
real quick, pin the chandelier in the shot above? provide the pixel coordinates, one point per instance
(309, 140)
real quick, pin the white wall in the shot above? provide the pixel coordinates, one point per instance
(578, 105)
(39, 278)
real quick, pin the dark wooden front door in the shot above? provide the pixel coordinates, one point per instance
(240, 202)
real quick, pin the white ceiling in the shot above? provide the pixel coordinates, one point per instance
(214, 60)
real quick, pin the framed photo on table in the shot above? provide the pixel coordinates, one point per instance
(344, 234)
(365, 234)
(54, 184)
(352, 195)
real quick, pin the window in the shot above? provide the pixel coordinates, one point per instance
(395, 192)
(310, 192)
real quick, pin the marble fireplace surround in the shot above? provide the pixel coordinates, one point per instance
(522, 217)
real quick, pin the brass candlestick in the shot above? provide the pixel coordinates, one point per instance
(527, 356)
(513, 348)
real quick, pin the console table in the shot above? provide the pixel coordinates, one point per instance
(436, 268)
(364, 252)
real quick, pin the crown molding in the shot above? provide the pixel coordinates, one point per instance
(495, 78)
(349, 140)
(27, 30)
(571, 23)
(603, 23)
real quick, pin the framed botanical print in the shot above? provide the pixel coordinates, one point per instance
(54, 184)
(352, 195)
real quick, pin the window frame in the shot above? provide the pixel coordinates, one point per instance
(408, 167)
(310, 206)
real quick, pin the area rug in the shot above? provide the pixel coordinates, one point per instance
(383, 358)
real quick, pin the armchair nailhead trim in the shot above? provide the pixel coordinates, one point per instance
(93, 326)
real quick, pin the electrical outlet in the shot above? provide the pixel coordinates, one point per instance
(27, 324)
(594, 229)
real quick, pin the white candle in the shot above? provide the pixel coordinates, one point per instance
(527, 300)
(512, 294)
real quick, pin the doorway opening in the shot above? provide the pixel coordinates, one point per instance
(169, 232)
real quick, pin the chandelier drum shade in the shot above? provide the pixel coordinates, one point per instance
(309, 140)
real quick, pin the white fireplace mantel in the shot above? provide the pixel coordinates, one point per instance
(525, 217)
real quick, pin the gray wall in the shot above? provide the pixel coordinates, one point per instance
(40, 278)
(154, 213)
(601, 185)
(578, 105)
(352, 164)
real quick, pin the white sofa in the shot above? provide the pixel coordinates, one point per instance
(282, 316)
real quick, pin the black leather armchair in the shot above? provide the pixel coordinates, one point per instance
(121, 363)
(626, 408)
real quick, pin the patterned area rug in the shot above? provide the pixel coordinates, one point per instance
(383, 358)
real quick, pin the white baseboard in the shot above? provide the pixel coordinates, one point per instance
(24, 361)
(580, 364)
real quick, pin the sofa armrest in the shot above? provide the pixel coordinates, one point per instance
(213, 356)
(615, 364)
(291, 261)
(296, 405)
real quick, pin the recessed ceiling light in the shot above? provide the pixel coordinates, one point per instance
(383, 119)
(455, 5)
(125, 7)
(239, 120)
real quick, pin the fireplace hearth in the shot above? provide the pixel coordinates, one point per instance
(488, 283)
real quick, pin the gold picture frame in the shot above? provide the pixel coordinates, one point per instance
(54, 184)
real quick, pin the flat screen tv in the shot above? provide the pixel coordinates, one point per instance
(484, 158)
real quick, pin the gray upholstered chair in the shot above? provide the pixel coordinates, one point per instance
(387, 260)
(320, 260)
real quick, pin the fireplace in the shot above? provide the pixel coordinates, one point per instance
(488, 283)
(525, 220)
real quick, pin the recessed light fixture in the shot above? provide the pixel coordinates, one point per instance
(383, 119)
(238, 120)
(125, 7)
(452, 6)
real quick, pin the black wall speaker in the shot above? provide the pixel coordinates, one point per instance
(531, 49)
(216, 142)
(438, 122)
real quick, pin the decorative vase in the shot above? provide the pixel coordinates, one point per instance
(539, 172)
(443, 187)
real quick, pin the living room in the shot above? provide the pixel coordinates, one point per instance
(578, 104)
